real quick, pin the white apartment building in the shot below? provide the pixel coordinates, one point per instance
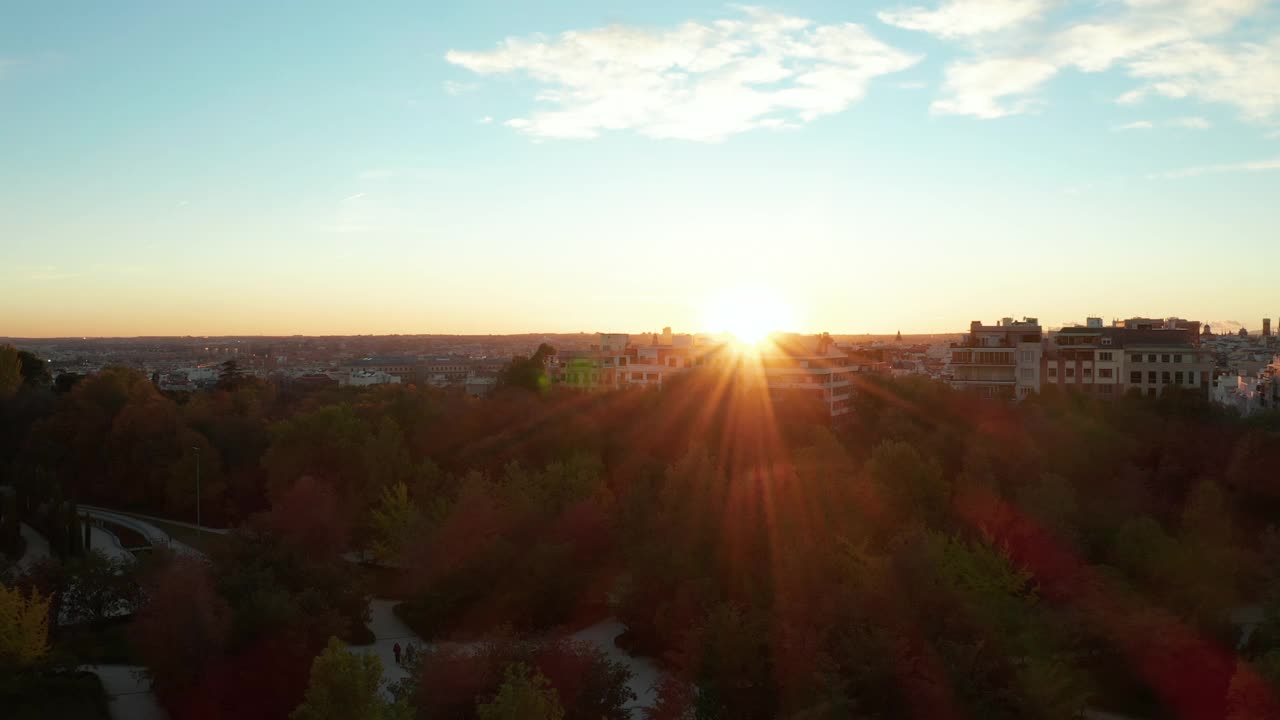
(1001, 360)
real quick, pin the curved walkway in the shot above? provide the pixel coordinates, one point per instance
(37, 548)
(106, 542)
(644, 673)
(128, 690)
(153, 534)
(388, 629)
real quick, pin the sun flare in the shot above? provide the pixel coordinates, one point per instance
(748, 314)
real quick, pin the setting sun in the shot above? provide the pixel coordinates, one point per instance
(749, 314)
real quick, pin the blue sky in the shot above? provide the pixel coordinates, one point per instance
(498, 166)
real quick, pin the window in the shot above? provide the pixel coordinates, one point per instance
(1105, 389)
(1106, 372)
(1191, 377)
(1177, 377)
(1164, 358)
(1151, 358)
(1165, 378)
(1088, 372)
(1026, 356)
(1151, 392)
(1106, 341)
(1137, 358)
(1151, 377)
(1104, 357)
(1177, 358)
(1135, 377)
(1028, 374)
(1053, 371)
(1071, 372)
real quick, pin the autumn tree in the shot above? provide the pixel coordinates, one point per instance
(523, 695)
(181, 629)
(24, 628)
(347, 686)
(10, 370)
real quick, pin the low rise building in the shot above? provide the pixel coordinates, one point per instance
(1001, 360)
(1135, 355)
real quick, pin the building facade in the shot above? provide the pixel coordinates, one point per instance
(1135, 355)
(1001, 360)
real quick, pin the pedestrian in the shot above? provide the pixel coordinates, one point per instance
(396, 650)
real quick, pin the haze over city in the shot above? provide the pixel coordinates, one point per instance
(488, 167)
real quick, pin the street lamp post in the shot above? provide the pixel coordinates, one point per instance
(199, 525)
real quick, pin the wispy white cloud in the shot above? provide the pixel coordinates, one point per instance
(485, 120)
(1191, 123)
(355, 196)
(1246, 75)
(697, 81)
(1185, 123)
(454, 87)
(963, 18)
(1239, 167)
(1177, 48)
(992, 88)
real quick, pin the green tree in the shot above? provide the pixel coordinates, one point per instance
(524, 695)
(35, 372)
(229, 375)
(345, 686)
(913, 482)
(326, 443)
(98, 587)
(529, 373)
(393, 523)
(1051, 502)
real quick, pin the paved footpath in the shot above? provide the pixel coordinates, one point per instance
(108, 544)
(129, 695)
(644, 673)
(37, 547)
(388, 630)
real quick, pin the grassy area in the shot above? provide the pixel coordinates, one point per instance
(106, 642)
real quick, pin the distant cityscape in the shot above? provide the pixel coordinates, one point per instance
(1010, 359)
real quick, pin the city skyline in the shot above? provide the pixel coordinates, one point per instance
(327, 169)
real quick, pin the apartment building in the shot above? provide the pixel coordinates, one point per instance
(809, 365)
(789, 365)
(1138, 354)
(1001, 360)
